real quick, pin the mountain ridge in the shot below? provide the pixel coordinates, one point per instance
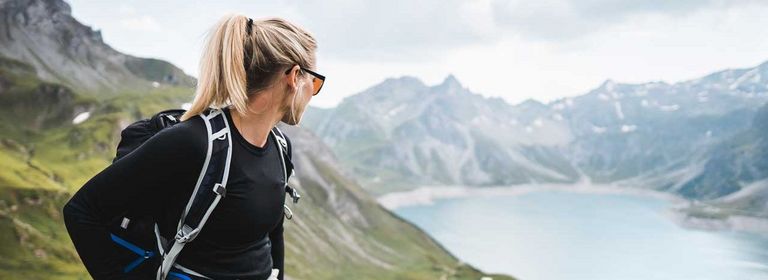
(655, 135)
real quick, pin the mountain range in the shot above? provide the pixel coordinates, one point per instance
(66, 95)
(700, 139)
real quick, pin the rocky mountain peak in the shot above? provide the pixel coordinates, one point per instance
(531, 103)
(450, 85)
(451, 80)
(44, 35)
(607, 85)
(33, 8)
(399, 88)
(45, 16)
(404, 81)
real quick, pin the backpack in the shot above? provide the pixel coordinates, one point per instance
(138, 244)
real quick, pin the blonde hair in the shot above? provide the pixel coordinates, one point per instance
(235, 64)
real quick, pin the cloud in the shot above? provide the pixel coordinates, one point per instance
(140, 23)
(402, 30)
(126, 9)
(559, 20)
(397, 29)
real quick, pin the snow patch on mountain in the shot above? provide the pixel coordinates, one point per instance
(599, 129)
(619, 112)
(626, 128)
(669, 108)
(81, 117)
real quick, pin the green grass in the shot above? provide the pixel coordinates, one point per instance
(34, 240)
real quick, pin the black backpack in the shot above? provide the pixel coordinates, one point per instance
(138, 244)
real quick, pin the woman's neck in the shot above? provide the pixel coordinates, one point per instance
(255, 127)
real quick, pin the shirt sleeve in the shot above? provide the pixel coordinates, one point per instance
(278, 248)
(165, 164)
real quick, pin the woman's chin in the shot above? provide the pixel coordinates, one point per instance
(291, 121)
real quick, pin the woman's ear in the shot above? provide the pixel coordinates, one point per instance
(293, 77)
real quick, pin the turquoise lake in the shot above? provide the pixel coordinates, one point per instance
(558, 235)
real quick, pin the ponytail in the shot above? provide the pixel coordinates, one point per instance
(242, 55)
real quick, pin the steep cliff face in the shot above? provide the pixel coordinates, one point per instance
(43, 34)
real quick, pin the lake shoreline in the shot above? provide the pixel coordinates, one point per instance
(427, 195)
(736, 223)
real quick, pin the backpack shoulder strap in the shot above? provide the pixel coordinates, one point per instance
(210, 187)
(283, 146)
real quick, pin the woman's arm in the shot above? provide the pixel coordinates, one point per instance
(164, 165)
(278, 248)
(276, 235)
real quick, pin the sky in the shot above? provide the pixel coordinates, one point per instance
(517, 50)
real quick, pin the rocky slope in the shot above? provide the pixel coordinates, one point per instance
(735, 177)
(44, 34)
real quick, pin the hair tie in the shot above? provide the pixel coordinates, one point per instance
(248, 26)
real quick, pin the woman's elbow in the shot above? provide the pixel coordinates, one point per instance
(68, 212)
(71, 211)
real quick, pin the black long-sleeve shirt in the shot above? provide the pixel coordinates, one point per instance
(158, 178)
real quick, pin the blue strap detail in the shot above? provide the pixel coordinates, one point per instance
(127, 245)
(178, 276)
(143, 254)
(133, 264)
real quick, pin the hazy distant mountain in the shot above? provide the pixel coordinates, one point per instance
(401, 133)
(655, 135)
(58, 132)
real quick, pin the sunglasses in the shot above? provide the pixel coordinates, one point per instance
(317, 81)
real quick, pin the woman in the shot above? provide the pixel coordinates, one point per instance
(260, 72)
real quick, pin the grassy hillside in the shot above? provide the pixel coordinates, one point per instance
(44, 157)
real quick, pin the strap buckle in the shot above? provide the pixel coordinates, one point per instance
(186, 234)
(219, 189)
(293, 193)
